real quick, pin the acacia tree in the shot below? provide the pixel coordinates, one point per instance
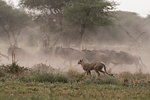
(49, 13)
(44, 10)
(12, 21)
(89, 13)
(84, 13)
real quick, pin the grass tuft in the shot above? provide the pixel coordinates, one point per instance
(46, 77)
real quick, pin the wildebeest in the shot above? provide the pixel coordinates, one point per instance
(123, 58)
(114, 57)
(96, 55)
(20, 54)
(68, 54)
(97, 66)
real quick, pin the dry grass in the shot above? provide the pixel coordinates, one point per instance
(73, 85)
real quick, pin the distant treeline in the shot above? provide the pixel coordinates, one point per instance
(70, 22)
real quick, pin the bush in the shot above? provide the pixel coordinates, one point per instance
(2, 74)
(14, 68)
(2, 71)
(74, 75)
(136, 79)
(25, 79)
(107, 80)
(63, 79)
(42, 68)
(46, 77)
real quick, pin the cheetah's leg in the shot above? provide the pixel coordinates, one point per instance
(97, 72)
(102, 72)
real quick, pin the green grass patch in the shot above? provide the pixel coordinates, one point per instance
(16, 90)
(45, 77)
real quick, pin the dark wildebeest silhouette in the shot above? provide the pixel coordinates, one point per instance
(68, 54)
(113, 57)
(123, 58)
(96, 55)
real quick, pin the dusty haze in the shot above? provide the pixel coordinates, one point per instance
(66, 52)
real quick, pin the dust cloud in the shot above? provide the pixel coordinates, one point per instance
(122, 47)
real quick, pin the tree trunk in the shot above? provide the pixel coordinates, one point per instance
(7, 32)
(13, 56)
(82, 31)
(61, 29)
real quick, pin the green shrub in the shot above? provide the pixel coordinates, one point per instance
(136, 79)
(74, 75)
(42, 68)
(61, 78)
(14, 68)
(25, 79)
(2, 74)
(107, 80)
(45, 77)
(2, 79)
(126, 75)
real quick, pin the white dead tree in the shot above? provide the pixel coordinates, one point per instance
(135, 37)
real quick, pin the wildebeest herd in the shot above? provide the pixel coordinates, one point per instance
(70, 55)
(116, 58)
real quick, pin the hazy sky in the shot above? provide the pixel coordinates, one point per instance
(142, 7)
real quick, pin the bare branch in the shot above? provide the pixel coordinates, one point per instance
(7, 32)
(4, 56)
(140, 35)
